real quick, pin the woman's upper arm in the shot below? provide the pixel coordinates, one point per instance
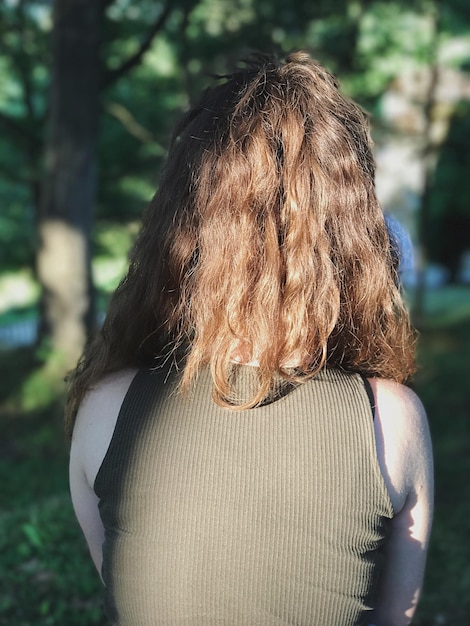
(405, 456)
(91, 437)
(85, 504)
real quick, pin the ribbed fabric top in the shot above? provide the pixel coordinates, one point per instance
(274, 515)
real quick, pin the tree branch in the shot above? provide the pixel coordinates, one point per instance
(113, 75)
(133, 127)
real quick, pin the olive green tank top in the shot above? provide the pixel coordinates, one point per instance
(271, 516)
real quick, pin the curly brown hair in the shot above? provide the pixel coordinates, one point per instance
(265, 240)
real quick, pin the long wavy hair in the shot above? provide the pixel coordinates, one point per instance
(264, 242)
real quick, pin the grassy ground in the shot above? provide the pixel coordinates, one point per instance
(45, 572)
(443, 385)
(47, 577)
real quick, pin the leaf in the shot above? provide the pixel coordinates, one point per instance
(32, 533)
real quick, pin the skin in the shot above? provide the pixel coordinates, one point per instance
(405, 458)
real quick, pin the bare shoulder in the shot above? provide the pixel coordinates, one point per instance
(399, 411)
(403, 439)
(393, 397)
(96, 420)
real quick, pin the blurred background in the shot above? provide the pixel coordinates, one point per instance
(90, 90)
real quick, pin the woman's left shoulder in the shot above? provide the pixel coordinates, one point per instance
(398, 404)
(403, 441)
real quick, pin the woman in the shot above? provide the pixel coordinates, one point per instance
(245, 449)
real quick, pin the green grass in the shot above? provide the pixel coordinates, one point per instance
(47, 578)
(46, 573)
(443, 385)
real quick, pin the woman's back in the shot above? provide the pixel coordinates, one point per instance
(275, 515)
(265, 244)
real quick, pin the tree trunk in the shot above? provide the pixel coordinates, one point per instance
(433, 137)
(69, 188)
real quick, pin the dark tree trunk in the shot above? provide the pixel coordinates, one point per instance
(69, 188)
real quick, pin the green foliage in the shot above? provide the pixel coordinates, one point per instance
(24, 62)
(17, 234)
(112, 243)
(367, 44)
(391, 39)
(46, 573)
(18, 292)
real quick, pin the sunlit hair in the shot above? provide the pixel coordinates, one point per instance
(265, 242)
